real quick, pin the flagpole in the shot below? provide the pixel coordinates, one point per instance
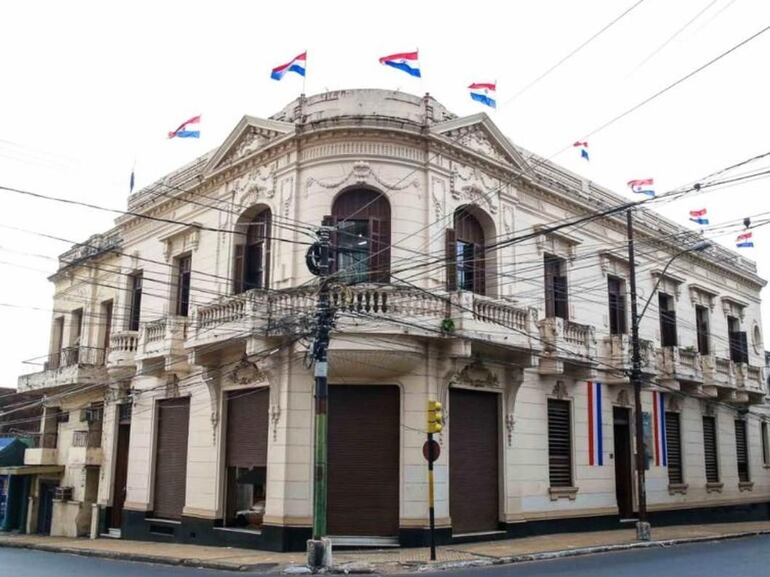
(304, 76)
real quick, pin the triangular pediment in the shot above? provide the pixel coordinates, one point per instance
(479, 134)
(249, 135)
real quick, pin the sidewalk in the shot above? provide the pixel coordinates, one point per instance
(388, 561)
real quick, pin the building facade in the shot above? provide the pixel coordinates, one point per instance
(183, 360)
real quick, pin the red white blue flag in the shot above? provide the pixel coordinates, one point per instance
(642, 186)
(583, 146)
(659, 429)
(745, 240)
(595, 437)
(405, 61)
(699, 216)
(484, 92)
(297, 65)
(188, 129)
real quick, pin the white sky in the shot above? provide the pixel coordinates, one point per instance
(86, 87)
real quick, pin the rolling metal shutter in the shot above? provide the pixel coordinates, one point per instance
(742, 451)
(559, 444)
(247, 427)
(710, 449)
(364, 435)
(674, 448)
(171, 458)
(473, 461)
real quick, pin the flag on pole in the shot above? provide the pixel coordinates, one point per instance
(699, 216)
(595, 437)
(131, 182)
(642, 186)
(659, 429)
(484, 92)
(745, 240)
(406, 61)
(298, 65)
(184, 130)
(583, 146)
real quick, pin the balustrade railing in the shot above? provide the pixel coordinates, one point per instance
(75, 355)
(124, 341)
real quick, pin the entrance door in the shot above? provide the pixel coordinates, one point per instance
(121, 475)
(623, 483)
(45, 507)
(363, 495)
(473, 461)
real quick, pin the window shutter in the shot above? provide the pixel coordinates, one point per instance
(451, 259)
(560, 297)
(378, 261)
(674, 449)
(267, 250)
(742, 452)
(329, 220)
(238, 269)
(559, 443)
(710, 449)
(479, 269)
(550, 302)
(743, 343)
(765, 443)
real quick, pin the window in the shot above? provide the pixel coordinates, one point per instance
(106, 323)
(555, 287)
(765, 443)
(702, 328)
(710, 449)
(617, 298)
(466, 258)
(183, 268)
(57, 340)
(667, 320)
(742, 451)
(135, 296)
(739, 347)
(252, 257)
(361, 244)
(674, 449)
(559, 443)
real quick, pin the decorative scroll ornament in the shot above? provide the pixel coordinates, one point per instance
(475, 375)
(246, 372)
(622, 399)
(559, 390)
(362, 173)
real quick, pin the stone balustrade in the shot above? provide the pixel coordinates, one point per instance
(566, 344)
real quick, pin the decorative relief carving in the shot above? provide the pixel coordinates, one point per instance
(361, 173)
(622, 398)
(469, 184)
(438, 196)
(275, 418)
(475, 375)
(559, 390)
(253, 140)
(287, 192)
(508, 218)
(211, 376)
(183, 241)
(674, 403)
(509, 423)
(247, 372)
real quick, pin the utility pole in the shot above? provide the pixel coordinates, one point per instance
(642, 526)
(319, 548)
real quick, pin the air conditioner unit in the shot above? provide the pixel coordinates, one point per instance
(62, 493)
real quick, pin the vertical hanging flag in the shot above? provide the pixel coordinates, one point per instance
(484, 92)
(298, 65)
(699, 216)
(642, 186)
(745, 240)
(131, 181)
(583, 146)
(659, 429)
(406, 61)
(184, 130)
(595, 439)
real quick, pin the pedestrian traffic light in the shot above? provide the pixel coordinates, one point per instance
(435, 417)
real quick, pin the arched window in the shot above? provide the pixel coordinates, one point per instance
(465, 253)
(252, 253)
(362, 240)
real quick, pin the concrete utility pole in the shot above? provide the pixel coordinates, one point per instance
(642, 526)
(319, 548)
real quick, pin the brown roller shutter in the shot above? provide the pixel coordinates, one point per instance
(742, 451)
(710, 449)
(674, 448)
(171, 458)
(247, 427)
(473, 461)
(363, 495)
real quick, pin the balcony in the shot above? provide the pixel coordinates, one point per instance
(160, 345)
(616, 357)
(43, 451)
(679, 366)
(71, 366)
(86, 448)
(367, 310)
(568, 347)
(121, 356)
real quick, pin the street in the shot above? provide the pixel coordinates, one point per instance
(747, 557)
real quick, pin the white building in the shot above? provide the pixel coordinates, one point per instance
(449, 285)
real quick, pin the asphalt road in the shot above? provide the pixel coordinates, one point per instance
(749, 557)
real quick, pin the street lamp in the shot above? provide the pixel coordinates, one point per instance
(642, 525)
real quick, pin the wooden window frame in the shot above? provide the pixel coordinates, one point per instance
(556, 287)
(617, 305)
(183, 269)
(669, 336)
(135, 288)
(703, 329)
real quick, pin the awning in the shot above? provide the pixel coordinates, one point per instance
(32, 470)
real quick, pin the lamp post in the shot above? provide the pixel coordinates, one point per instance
(642, 525)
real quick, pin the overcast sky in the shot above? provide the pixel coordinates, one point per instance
(88, 87)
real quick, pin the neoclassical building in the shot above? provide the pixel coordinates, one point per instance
(182, 357)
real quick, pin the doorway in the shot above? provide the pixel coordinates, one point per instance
(121, 467)
(623, 480)
(45, 507)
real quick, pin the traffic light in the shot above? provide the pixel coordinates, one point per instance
(435, 417)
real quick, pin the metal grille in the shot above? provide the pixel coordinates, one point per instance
(559, 443)
(742, 452)
(674, 448)
(710, 449)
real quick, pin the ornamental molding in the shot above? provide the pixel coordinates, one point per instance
(622, 399)
(559, 391)
(361, 173)
(475, 375)
(180, 241)
(258, 183)
(247, 372)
